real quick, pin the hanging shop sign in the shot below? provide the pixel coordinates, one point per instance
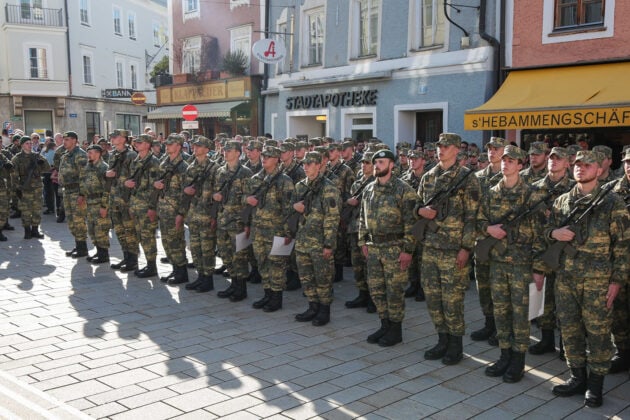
(340, 99)
(269, 51)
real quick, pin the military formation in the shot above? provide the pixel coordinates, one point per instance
(412, 222)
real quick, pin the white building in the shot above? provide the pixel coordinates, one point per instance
(73, 64)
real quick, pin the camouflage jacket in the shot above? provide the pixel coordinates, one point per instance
(233, 182)
(274, 202)
(605, 252)
(201, 176)
(412, 179)
(343, 177)
(59, 151)
(529, 175)
(93, 185)
(294, 171)
(146, 172)
(318, 229)
(487, 178)
(354, 163)
(254, 167)
(386, 214)
(546, 189)
(457, 229)
(121, 163)
(353, 225)
(23, 164)
(6, 168)
(622, 188)
(71, 169)
(172, 173)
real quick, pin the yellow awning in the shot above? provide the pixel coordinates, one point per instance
(564, 97)
(209, 110)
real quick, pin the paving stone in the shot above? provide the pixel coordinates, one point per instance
(233, 405)
(196, 399)
(155, 411)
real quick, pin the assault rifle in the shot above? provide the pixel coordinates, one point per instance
(135, 177)
(249, 211)
(115, 166)
(348, 211)
(294, 219)
(579, 225)
(196, 184)
(31, 171)
(216, 205)
(438, 202)
(335, 171)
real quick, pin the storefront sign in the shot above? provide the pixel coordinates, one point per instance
(269, 51)
(117, 93)
(341, 99)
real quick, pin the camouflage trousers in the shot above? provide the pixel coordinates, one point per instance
(76, 215)
(510, 295)
(359, 264)
(145, 231)
(548, 321)
(271, 267)
(124, 228)
(585, 322)
(413, 273)
(482, 278)
(316, 275)
(236, 262)
(203, 241)
(386, 280)
(444, 287)
(30, 205)
(341, 249)
(97, 226)
(4, 206)
(173, 239)
(621, 318)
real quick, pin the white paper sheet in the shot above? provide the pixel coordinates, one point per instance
(279, 248)
(242, 241)
(536, 300)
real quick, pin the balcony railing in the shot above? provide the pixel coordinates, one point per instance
(26, 15)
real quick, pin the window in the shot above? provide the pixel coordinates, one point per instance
(134, 77)
(87, 70)
(92, 124)
(240, 39)
(37, 63)
(315, 36)
(191, 53)
(117, 25)
(131, 24)
(128, 122)
(157, 34)
(365, 27)
(285, 65)
(428, 23)
(575, 13)
(190, 6)
(31, 9)
(84, 12)
(120, 79)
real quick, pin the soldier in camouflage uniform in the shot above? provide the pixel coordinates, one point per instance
(6, 167)
(447, 250)
(555, 183)
(318, 200)
(588, 281)
(351, 158)
(145, 170)
(488, 177)
(621, 310)
(119, 171)
(196, 200)
(254, 163)
(538, 152)
(71, 173)
(97, 198)
(28, 168)
(430, 157)
(412, 177)
(510, 262)
(59, 151)
(301, 148)
(229, 190)
(269, 193)
(385, 222)
(359, 263)
(608, 174)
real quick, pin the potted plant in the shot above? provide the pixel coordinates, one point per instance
(234, 63)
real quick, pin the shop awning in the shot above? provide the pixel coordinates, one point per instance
(564, 97)
(211, 110)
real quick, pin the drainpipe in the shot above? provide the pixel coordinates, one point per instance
(496, 45)
(65, 6)
(265, 81)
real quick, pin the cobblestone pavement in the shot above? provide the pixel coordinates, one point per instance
(83, 341)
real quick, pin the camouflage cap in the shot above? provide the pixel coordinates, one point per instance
(322, 150)
(327, 139)
(290, 140)
(473, 153)
(301, 145)
(403, 151)
(174, 139)
(271, 151)
(403, 145)
(605, 150)
(204, 142)
(232, 145)
(462, 155)
(334, 146)
(538, 148)
(95, 147)
(497, 142)
(271, 142)
(143, 138)
(449, 139)
(119, 132)
(429, 146)
(262, 139)
(287, 147)
(315, 141)
(312, 157)
(24, 139)
(346, 144)
(415, 154)
(573, 149)
(560, 152)
(483, 157)
(255, 145)
(589, 156)
(367, 157)
(71, 134)
(626, 155)
(103, 140)
(220, 136)
(514, 152)
(384, 154)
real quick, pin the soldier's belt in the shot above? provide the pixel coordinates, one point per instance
(379, 239)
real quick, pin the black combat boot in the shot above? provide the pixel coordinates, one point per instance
(263, 301)
(2, 237)
(499, 367)
(35, 233)
(439, 350)
(132, 263)
(338, 273)
(488, 330)
(293, 280)
(309, 314)
(207, 284)
(81, 250)
(376, 335)
(412, 289)
(15, 215)
(27, 232)
(7, 226)
(360, 301)
(102, 256)
(223, 294)
(196, 283)
(61, 216)
(240, 291)
(547, 343)
(254, 276)
(120, 264)
(169, 276)
(594, 387)
(420, 295)
(454, 350)
(149, 271)
(165, 260)
(576, 384)
(620, 361)
(72, 251)
(516, 369)
(181, 275)
(393, 335)
(561, 349)
(370, 308)
(275, 302)
(322, 317)
(220, 269)
(89, 258)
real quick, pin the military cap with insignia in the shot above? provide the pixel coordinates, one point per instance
(71, 134)
(384, 154)
(24, 139)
